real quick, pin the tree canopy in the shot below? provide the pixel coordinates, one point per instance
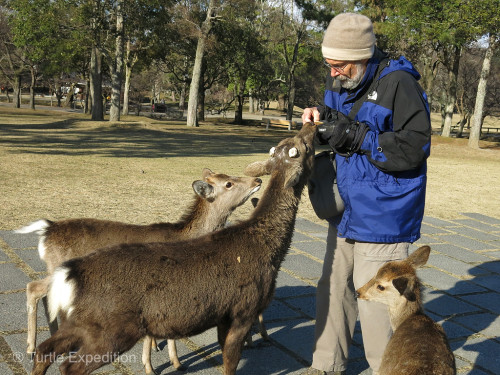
(253, 51)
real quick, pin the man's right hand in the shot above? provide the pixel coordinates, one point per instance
(311, 115)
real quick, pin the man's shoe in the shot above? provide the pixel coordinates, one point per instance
(313, 371)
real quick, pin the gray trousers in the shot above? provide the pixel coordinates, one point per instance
(348, 265)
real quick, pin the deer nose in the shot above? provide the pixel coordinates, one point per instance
(258, 180)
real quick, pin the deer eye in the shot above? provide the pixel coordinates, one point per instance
(229, 184)
(380, 287)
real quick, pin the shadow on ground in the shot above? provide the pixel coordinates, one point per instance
(137, 139)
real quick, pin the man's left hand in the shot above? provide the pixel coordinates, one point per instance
(343, 134)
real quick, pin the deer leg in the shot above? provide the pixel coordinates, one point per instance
(262, 328)
(87, 359)
(98, 348)
(222, 331)
(48, 351)
(150, 343)
(249, 339)
(53, 326)
(235, 338)
(172, 353)
(262, 331)
(154, 345)
(34, 291)
(146, 354)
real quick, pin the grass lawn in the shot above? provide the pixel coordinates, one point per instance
(58, 165)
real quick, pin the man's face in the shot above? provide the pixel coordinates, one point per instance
(349, 73)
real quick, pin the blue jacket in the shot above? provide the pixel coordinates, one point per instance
(383, 185)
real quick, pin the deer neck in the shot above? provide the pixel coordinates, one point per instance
(274, 218)
(402, 311)
(203, 217)
(278, 203)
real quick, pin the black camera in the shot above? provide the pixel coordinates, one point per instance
(325, 131)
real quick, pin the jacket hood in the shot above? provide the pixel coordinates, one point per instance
(401, 64)
(379, 57)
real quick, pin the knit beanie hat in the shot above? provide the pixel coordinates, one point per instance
(349, 37)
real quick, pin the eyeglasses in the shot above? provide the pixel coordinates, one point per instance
(338, 69)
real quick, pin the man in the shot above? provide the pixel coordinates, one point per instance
(381, 151)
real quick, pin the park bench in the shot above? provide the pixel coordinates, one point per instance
(167, 112)
(484, 129)
(488, 129)
(280, 123)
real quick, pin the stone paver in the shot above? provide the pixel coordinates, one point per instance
(461, 292)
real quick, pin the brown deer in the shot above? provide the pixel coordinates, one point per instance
(418, 345)
(225, 279)
(216, 196)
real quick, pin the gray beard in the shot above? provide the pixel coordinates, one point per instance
(351, 83)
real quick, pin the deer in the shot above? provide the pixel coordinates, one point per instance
(216, 197)
(418, 345)
(224, 279)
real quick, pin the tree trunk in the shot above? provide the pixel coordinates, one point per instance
(126, 90)
(86, 108)
(96, 84)
(452, 92)
(17, 91)
(281, 102)
(291, 100)
(182, 96)
(251, 103)
(68, 103)
(96, 65)
(429, 74)
(463, 121)
(32, 87)
(117, 69)
(291, 76)
(129, 65)
(196, 76)
(240, 97)
(59, 96)
(475, 132)
(195, 84)
(201, 106)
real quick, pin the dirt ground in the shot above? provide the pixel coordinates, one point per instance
(58, 165)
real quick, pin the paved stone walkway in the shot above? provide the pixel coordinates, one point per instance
(462, 284)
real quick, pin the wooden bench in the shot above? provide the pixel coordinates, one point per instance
(169, 114)
(488, 129)
(484, 129)
(279, 123)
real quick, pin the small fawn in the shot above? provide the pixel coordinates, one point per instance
(419, 346)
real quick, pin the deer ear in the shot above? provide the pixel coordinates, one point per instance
(205, 173)
(258, 168)
(203, 189)
(255, 202)
(308, 132)
(419, 257)
(293, 174)
(404, 287)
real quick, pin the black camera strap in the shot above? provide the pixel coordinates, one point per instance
(358, 103)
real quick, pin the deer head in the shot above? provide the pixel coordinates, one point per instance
(396, 282)
(294, 157)
(234, 190)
